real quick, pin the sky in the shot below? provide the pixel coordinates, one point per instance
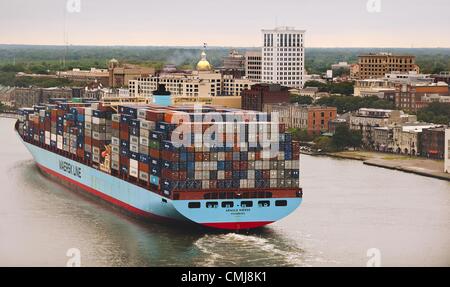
(231, 23)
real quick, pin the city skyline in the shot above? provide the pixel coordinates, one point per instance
(400, 23)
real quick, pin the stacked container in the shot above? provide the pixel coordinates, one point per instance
(140, 141)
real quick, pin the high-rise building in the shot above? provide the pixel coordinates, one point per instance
(253, 65)
(283, 57)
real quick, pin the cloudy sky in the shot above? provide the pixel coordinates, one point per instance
(329, 23)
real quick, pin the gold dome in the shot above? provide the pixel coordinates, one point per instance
(203, 64)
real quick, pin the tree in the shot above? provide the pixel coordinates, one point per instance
(324, 143)
(344, 137)
(350, 103)
(437, 113)
(302, 100)
(300, 134)
(341, 137)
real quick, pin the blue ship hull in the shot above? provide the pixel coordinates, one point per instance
(222, 214)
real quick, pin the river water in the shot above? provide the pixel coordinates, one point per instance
(348, 209)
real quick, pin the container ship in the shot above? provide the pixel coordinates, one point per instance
(208, 166)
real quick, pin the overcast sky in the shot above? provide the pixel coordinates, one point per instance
(329, 23)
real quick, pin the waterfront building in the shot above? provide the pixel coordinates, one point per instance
(383, 139)
(283, 57)
(366, 120)
(378, 64)
(406, 137)
(447, 151)
(432, 142)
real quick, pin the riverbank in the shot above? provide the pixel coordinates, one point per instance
(417, 165)
(9, 115)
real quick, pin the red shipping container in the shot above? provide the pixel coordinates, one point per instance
(154, 153)
(143, 167)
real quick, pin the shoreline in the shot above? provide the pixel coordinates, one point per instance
(416, 165)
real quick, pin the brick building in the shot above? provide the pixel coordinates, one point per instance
(260, 94)
(432, 142)
(412, 97)
(313, 119)
(373, 66)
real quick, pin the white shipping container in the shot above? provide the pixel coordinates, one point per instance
(87, 119)
(141, 113)
(134, 140)
(144, 141)
(96, 150)
(98, 121)
(144, 124)
(287, 164)
(115, 141)
(198, 175)
(251, 174)
(221, 174)
(53, 137)
(133, 163)
(273, 174)
(273, 183)
(295, 164)
(133, 172)
(115, 149)
(47, 141)
(115, 165)
(47, 134)
(205, 174)
(221, 156)
(265, 164)
(198, 165)
(144, 133)
(59, 145)
(143, 176)
(115, 118)
(205, 184)
(134, 148)
(243, 183)
(115, 156)
(88, 111)
(251, 183)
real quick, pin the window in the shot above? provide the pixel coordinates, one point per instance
(246, 203)
(263, 203)
(212, 204)
(194, 204)
(227, 204)
(281, 203)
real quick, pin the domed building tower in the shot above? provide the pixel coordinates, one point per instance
(203, 64)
